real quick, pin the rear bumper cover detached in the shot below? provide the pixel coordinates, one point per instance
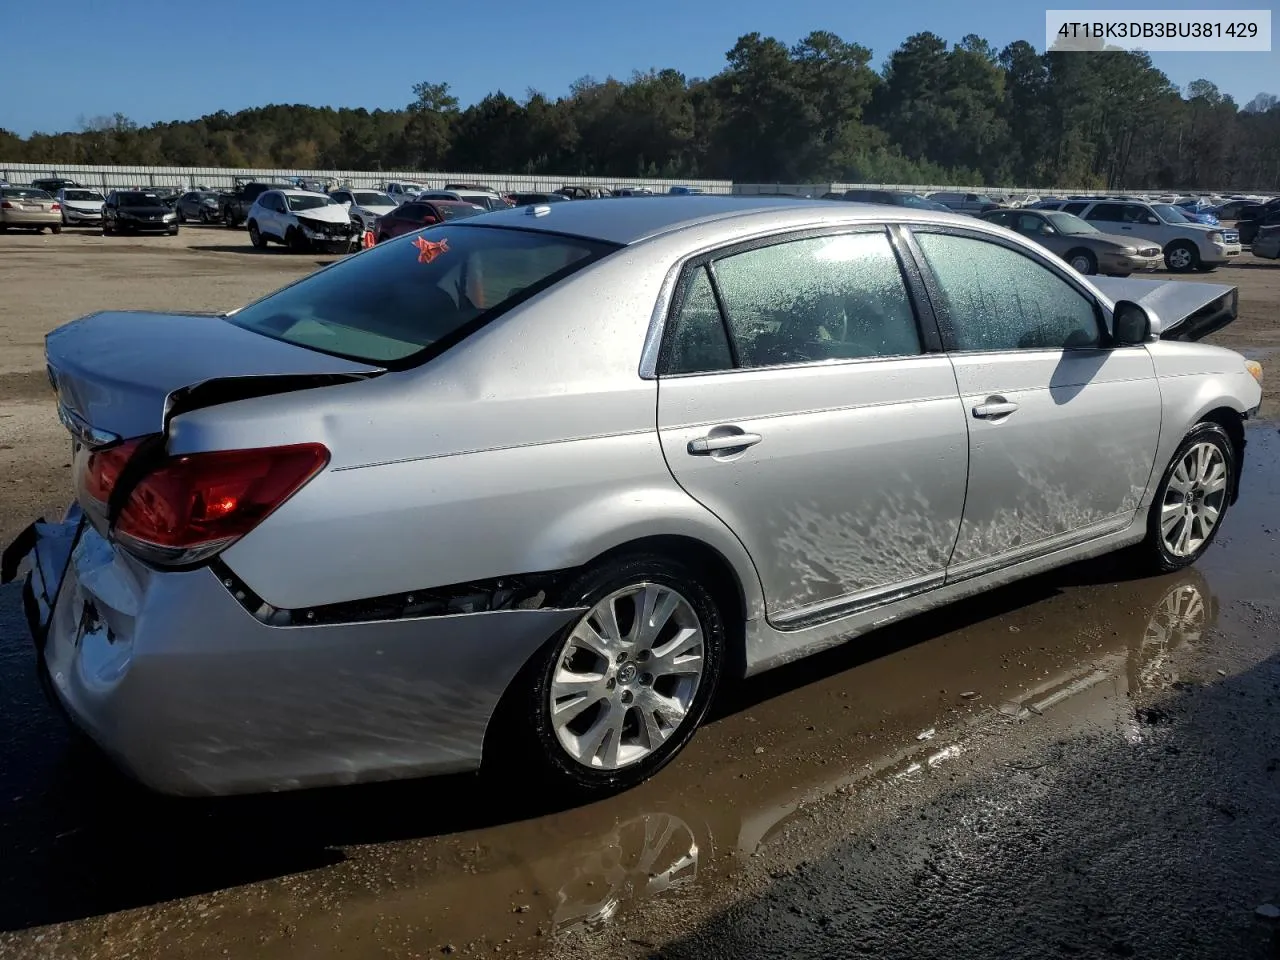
(192, 695)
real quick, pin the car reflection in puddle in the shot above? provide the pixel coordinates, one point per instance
(662, 852)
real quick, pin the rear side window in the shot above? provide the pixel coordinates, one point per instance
(826, 298)
(1074, 207)
(401, 299)
(698, 341)
(1108, 212)
(994, 298)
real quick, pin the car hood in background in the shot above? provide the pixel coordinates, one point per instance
(1186, 310)
(331, 213)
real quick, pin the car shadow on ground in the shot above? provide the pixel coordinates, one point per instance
(77, 838)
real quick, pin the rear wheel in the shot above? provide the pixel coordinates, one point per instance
(57, 229)
(1192, 498)
(1181, 256)
(182, 217)
(1083, 261)
(256, 237)
(619, 692)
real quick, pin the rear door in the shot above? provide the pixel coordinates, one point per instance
(1062, 426)
(803, 398)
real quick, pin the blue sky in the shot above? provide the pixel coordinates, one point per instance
(177, 60)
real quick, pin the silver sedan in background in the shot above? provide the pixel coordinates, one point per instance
(524, 487)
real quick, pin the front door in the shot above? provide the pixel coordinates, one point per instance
(1062, 427)
(799, 403)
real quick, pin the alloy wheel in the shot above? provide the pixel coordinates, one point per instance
(1180, 258)
(627, 676)
(1194, 499)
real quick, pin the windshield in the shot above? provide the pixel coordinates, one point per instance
(140, 200)
(1170, 214)
(1069, 224)
(81, 195)
(309, 203)
(400, 298)
(371, 198)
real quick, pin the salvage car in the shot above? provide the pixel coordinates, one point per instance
(1186, 245)
(365, 207)
(417, 214)
(1081, 244)
(523, 488)
(895, 198)
(302, 221)
(137, 211)
(1267, 243)
(80, 206)
(202, 205)
(27, 208)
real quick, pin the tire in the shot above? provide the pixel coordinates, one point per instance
(1166, 550)
(55, 229)
(107, 230)
(182, 217)
(1083, 261)
(204, 215)
(173, 231)
(295, 241)
(256, 237)
(1181, 256)
(527, 741)
(228, 219)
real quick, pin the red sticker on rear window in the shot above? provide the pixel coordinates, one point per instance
(428, 250)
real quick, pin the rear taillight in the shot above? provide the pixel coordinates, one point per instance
(188, 508)
(5, 205)
(56, 206)
(102, 469)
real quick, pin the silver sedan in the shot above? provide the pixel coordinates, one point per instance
(524, 488)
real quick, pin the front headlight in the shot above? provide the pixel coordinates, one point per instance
(1255, 370)
(1215, 237)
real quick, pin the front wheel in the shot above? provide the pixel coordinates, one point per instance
(1181, 257)
(1192, 498)
(1083, 261)
(619, 692)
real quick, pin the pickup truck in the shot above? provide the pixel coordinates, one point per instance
(236, 203)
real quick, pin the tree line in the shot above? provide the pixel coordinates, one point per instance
(813, 112)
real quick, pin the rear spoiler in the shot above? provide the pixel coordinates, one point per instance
(1186, 310)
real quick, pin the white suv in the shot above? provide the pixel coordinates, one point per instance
(1186, 245)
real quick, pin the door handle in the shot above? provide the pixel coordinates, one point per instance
(727, 441)
(994, 408)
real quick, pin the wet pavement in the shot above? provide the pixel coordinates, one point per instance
(1083, 764)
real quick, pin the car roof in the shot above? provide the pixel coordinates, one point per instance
(626, 223)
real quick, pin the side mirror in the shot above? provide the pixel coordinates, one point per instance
(1153, 219)
(1048, 231)
(1131, 324)
(430, 219)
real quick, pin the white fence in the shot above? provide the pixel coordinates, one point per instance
(109, 177)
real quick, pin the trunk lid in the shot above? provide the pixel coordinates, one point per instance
(120, 375)
(1187, 310)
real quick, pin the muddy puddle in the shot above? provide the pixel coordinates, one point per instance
(92, 866)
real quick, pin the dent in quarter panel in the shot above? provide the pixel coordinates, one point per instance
(385, 529)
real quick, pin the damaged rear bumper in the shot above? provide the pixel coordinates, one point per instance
(191, 694)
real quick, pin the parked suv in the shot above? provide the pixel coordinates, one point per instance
(1186, 245)
(974, 203)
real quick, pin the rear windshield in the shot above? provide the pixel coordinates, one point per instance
(25, 193)
(140, 200)
(401, 298)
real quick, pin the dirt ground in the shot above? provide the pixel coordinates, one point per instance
(1084, 764)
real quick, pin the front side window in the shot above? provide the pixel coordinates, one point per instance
(399, 299)
(825, 298)
(997, 299)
